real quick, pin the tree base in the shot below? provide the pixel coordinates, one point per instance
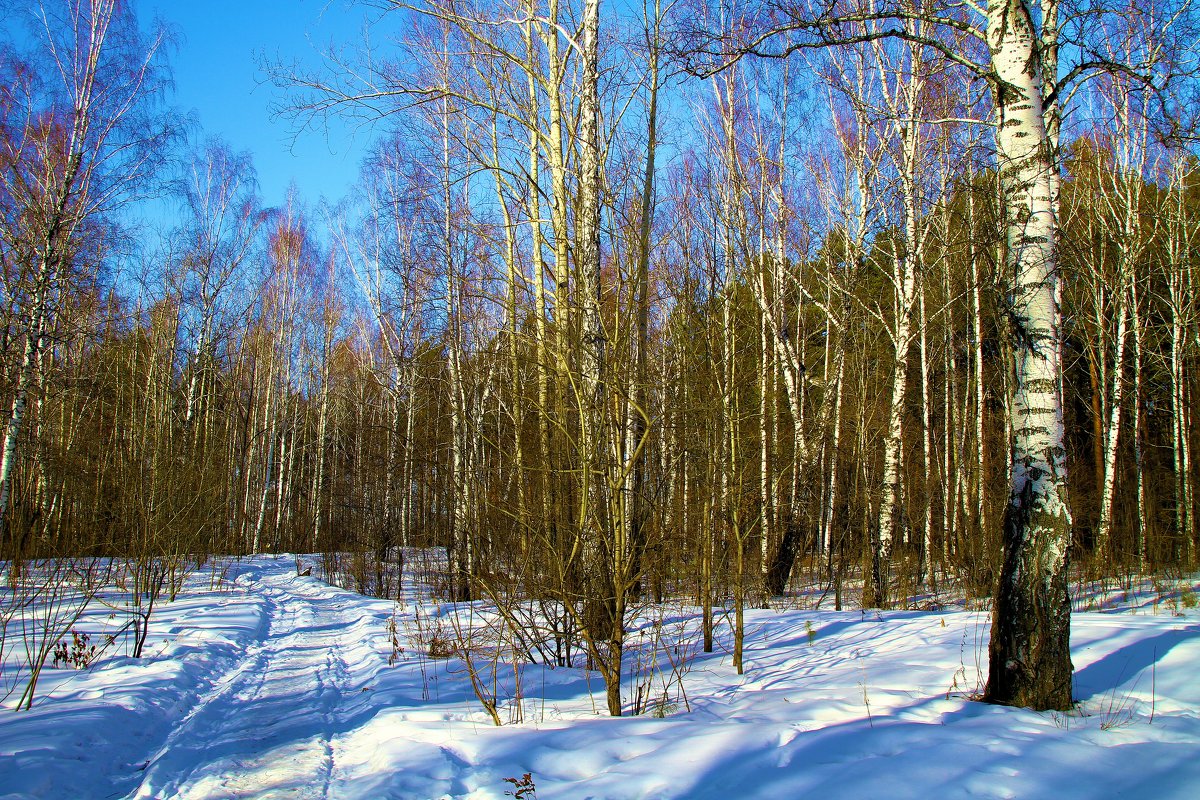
(1029, 658)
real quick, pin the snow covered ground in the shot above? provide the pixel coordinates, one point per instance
(277, 686)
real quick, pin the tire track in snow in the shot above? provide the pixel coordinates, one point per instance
(267, 729)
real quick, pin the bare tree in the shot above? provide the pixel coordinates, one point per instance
(79, 139)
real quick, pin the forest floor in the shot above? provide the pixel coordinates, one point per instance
(270, 685)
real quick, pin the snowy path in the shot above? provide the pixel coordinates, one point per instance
(269, 728)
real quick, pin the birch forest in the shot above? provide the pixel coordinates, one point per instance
(632, 301)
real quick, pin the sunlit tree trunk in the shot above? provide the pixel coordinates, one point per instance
(1180, 237)
(902, 104)
(459, 549)
(1029, 655)
(639, 504)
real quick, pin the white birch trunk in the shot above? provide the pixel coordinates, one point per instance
(1112, 431)
(1135, 421)
(926, 444)
(1029, 656)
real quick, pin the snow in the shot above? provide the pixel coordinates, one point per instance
(270, 685)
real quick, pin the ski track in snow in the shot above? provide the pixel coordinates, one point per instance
(268, 729)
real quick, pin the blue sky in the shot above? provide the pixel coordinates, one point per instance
(218, 78)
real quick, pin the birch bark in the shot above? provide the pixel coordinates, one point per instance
(1029, 655)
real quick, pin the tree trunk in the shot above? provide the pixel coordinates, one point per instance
(1029, 654)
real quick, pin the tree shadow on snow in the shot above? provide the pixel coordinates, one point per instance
(1110, 671)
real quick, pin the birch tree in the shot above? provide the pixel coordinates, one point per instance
(1014, 45)
(1180, 238)
(222, 219)
(79, 139)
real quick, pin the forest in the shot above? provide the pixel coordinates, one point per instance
(888, 299)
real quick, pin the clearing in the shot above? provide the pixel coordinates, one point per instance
(271, 685)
